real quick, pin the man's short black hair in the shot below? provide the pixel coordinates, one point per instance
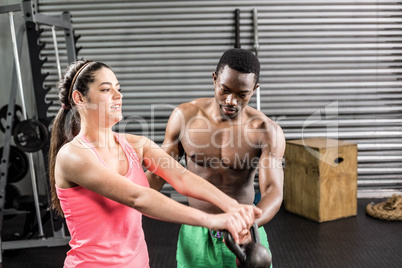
(241, 60)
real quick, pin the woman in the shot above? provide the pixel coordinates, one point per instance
(98, 183)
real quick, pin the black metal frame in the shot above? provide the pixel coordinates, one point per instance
(32, 21)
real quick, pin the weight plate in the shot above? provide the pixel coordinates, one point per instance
(30, 135)
(18, 164)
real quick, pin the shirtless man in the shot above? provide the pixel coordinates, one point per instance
(225, 141)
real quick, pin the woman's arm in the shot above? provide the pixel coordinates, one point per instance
(79, 166)
(185, 182)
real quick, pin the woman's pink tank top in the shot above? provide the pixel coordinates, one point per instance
(104, 233)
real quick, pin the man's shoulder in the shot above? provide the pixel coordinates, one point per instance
(258, 119)
(194, 107)
(267, 130)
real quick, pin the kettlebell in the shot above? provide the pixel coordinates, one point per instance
(251, 255)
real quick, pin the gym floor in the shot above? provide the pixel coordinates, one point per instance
(360, 241)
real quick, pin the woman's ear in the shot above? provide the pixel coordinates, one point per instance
(78, 98)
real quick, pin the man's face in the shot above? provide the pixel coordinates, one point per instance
(233, 91)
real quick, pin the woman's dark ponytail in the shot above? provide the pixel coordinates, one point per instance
(66, 124)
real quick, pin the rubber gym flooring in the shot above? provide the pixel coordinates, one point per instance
(360, 241)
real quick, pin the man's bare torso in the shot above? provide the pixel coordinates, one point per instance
(224, 152)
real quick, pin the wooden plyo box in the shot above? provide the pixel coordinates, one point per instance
(321, 178)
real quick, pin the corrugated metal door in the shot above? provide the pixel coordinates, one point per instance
(329, 68)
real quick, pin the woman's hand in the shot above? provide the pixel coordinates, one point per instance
(245, 210)
(245, 237)
(235, 221)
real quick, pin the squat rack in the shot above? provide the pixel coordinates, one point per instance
(32, 21)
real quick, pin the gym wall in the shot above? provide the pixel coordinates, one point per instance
(329, 68)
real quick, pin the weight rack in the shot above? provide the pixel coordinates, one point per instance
(32, 21)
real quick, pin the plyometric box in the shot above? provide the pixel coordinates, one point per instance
(321, 178)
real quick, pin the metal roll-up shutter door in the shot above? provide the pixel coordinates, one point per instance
(329, 68)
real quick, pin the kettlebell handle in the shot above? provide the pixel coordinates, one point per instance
(235, 248)
(255, 234)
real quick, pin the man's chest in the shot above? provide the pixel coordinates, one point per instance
(226, 147)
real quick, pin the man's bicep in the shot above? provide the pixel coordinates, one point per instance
(173, 132)
(270, 175)
(271, 161)
(276, 142)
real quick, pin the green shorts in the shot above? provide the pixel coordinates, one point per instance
(199, 247)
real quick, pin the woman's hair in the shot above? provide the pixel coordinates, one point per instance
(66, 125)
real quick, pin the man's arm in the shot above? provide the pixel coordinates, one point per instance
(271, 173)
(171, 145)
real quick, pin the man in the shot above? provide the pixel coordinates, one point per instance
(225, 141)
